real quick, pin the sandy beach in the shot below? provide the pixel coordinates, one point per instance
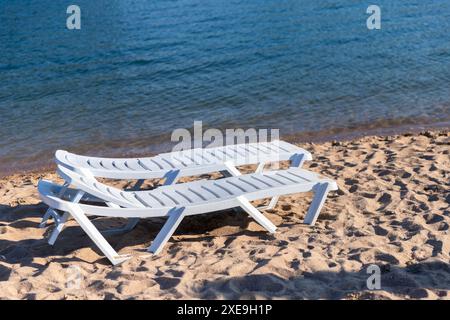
(392, 210)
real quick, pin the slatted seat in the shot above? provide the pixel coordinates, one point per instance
(178, 200)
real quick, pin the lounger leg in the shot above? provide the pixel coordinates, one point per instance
(61, 221)
(255, 214)
(320, 194)
(50, 212)
(167, 230)
(96, 236)
(260, 167)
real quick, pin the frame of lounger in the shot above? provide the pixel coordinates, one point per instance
(285, 151)
(49, 193)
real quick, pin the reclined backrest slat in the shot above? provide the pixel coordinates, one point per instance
(91, 186)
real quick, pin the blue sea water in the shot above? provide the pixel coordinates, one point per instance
(139, 69)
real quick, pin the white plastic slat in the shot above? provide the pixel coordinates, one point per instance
(270, 179)
(220, 155)
(150, 164)
(237, 153)
(145, 199)
(169, 162)
(132, 165)
(258, 185)
(264, 182)
(247, 149)
(224, 188)
(298, 176)
(181, 157)
(219, 194)
(288, 179)
(183, 194)
(107, 164)
(204, 157)
(190, 157)
(129, 196)
(119, 164)
(229, 154)
(263, 147)
(93, 163)
(174, 160)
(236, 185)
(168, 197)
(75, 160)
(150, 197)
(209, 153)
(257, 149)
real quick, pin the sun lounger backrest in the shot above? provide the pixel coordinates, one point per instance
(98, 189)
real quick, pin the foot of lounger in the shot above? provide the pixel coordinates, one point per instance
(59, 226)
(273, 202)
(50, 212)
(96, 236)
(167, 230)
(61, 221)
(255, 214)
(45, 218)
(320, 195)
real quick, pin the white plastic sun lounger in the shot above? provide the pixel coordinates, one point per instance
(174, 165)
(191, 162)
(177, 201)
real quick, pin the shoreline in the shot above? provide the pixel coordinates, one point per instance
(301, 137)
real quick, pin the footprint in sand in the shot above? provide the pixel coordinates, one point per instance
(437, 246)
(432, 218)
(295, 264)
(387, 258)
(443, 226)
(379, 231)
(4, 273)
(385, 199)
(167, 283)
(406, 175)
(369, 195)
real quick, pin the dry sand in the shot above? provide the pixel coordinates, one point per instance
(393, 210)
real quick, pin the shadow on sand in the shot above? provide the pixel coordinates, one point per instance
(410, 281)
(73, 238)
